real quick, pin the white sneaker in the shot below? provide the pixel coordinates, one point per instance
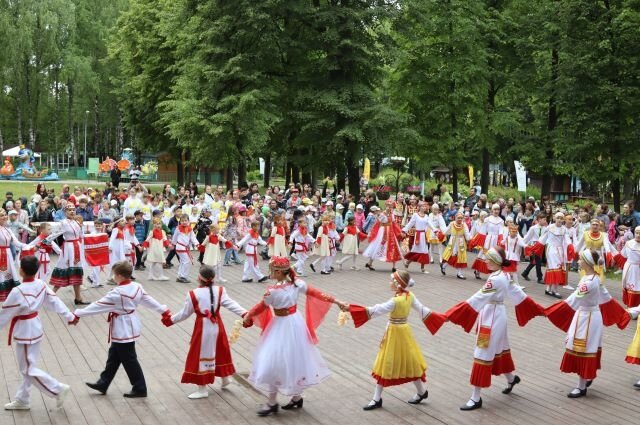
(16, 405)
(197, 395)
(223, 280)
(163, 278)
(150, 279)
(226, 381)
(569, 288)
(62, 395)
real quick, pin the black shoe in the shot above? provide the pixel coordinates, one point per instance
(525, 277)
(167, 266)
(582, 393)
(332, 269)
(293, 404)
(540, 281)
(313, 268)
(442, 269)
(589, 382)
(477, 274)
(637, 385)
(95, 386)
(548, 293)
(133, 394)
(461, 277)
(263, 279)
(367, 265)
(476, 405)
(420, 398)
(80, 302)
(557, 295)
(323, 272)
(375, 405)
(133, 277)
(516, 380)
(268, 410)
(247, 280)
(393, 269)
(143, 267)
(137, 268)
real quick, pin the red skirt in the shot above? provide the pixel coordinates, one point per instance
(512, 268)
(399, 381)
(585, 365)
(630, 299)
(482, 370)
(480, 265)
(453, 262)
(417, 257)
(555, 277)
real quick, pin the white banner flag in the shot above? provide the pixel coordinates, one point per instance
(521, 176)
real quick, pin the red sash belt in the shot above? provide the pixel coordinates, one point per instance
(303, 245)
(76, 249)
(44, 260)
(417, 234)
(111, 317)
(3, 258)
(254, 255)
(281, 312)
(186, 250)
(16, 319)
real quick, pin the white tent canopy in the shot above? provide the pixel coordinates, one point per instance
(14, 152)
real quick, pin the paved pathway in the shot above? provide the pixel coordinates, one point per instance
(77, 354)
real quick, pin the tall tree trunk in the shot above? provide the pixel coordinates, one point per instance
(552, 122)
(97, 142)
(19, 127)
(1, 140)
(229, 178)
(180, 170)
(454, 183)
(287, 174)
(72, 139)
(484, 173)
(340, 178)
(267, 170)
(295, 174)
(354, 178)
(627, 187)
(242, 172)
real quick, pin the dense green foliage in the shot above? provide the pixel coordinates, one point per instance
(318, 85)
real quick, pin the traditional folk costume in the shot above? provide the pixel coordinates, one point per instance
(350, 239)
(633, 352)
(286, 359)
(489, 236)
(278, 242)
(117, 245)
(251, 265)
(399, 359)
(435, 235)
(182, 239)
(629, 260)
(156, 245)
(383, 242)
(419, 249)
(43, 248)
(513, 245)
(411, 209)
(559, 251)
(94, 274)
(22, 309)
(8, 273)
(209, 352)
(124, 329)
(582, 315)
(302, 242)
(325, 248)
(599, 242)
(213, 256)
(455, 254)
(69, 269)
(492, 355)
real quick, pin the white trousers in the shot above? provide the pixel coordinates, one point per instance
(185, 264)
(301, 258)
(28, 355)
(251, 270)
(95, 274)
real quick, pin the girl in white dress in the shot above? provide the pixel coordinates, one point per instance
(488, 238)
(156, 244)
(436, 233)
(212, 255)
(492, 354)
(209, 354)
(8, 273)
(286, 359)
(350, 239)
(422, 224)
(629, 260)
(583, 316)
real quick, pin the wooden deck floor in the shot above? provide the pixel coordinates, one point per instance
(77, 354)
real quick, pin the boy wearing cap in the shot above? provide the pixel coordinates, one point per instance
(140, 231)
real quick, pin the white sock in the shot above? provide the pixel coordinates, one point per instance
(272, 399)
(582, 383)
(296, 397)
(202, 388)
(377, 393)
(475, 396)
(509, 377)
(419, 386)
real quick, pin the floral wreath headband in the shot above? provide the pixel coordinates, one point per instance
(400, 283)
(279, 263)
(587, 257)
(494, 256)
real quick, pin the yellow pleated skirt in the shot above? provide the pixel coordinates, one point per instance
(399, 359)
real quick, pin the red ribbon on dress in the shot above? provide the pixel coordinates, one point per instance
(185, 228)
(157, 234)
(76, 250)
(3, 258)
(213, 239)
(18, 318)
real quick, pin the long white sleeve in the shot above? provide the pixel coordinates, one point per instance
(187, 310)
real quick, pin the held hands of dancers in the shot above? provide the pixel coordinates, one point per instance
(342, 305)
(247, 322)
(166, 319)
(75, 320)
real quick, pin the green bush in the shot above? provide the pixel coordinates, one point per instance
(254, 176)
